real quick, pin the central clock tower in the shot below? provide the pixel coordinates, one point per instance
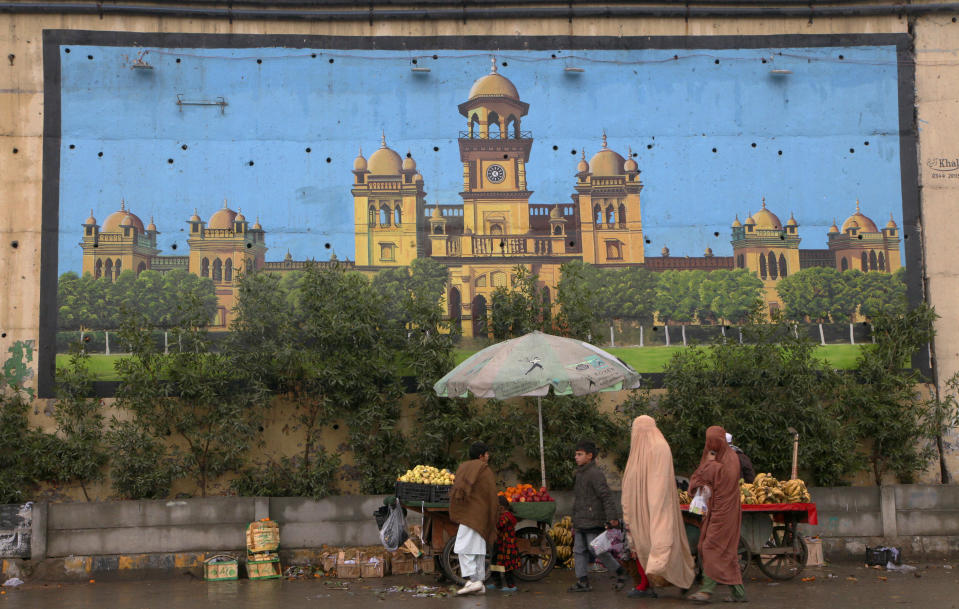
(494, 150)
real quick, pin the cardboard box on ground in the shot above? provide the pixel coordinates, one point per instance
(375, 561)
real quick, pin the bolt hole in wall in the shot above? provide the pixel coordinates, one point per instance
(676, 174)
(15, 151)
(14, 244)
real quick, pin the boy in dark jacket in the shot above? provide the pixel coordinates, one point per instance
(593, 511)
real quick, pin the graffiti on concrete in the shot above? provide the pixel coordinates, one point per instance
(15, 526)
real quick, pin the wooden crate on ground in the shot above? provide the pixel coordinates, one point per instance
(402, 563)
(263, 565)
(262, 536)
(348, 564)
(220, 567)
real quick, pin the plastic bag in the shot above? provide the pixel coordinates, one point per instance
(617, 544)
(393, 531)
(602, 543)
(698, 504)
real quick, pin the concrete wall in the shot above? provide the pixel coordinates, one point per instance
(923, 520)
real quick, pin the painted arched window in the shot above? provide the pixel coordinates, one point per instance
(782, 266)
(205, 268)
(108, 270)
(610, 216)
(397, 216)
(773, 269)
(217, 270)
(740, 261)
(116, 268)
(493, 125)
(98, 269)
(474, 120)
(882, 262)
(622, 214)
(865, 262)
(598, 214)
(372, 216)
(384, 215)
(228, 270)
(762, 267)
(845, 264)
(873, 262)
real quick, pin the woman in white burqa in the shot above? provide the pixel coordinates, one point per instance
(651, 511)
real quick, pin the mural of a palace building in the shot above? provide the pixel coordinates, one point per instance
(494, 228)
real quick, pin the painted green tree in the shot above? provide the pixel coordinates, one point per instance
(730, 296)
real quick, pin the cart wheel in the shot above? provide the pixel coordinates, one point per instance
(450, 563)
(535, 566)
(788, 565)
(745, 556)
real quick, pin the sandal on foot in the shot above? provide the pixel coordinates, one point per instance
(700, 597)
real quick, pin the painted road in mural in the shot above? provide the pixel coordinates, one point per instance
(214, 161)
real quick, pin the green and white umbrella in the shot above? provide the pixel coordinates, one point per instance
(533, 364)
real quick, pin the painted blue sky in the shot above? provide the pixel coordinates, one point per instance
(834, 120)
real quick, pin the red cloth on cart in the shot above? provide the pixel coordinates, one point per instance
(811, 513)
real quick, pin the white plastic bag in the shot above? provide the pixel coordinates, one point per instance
(393, 533)
(698, 504)
(601, 544)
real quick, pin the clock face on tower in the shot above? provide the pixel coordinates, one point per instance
(495, 174)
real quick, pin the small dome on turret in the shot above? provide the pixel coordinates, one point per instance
(555, 213)
(385, 161)
(359, 163)
(749, 221)
(665, 252)
(408, 163)
(418, 177)
(792, 220)
(195, 217)
(91, 219)
(582, 166)
(239, 216)
(891, 223)
(631, 164)
(256, 225)
(436, 213)
(833, 229)
(708, 253)
(151, 226)
(736, 222)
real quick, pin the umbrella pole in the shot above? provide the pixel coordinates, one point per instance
(542, 456)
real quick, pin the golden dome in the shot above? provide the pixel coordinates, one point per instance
(631, 164)
(223, 218)
(359, 163)
(708, 253)
(436, 213)
(239, 216)
(749, 221)
(736, 222)
(195, 217)
(408, 163)
(554, 213)
(791, 221)
(833, 229)
(861, 222)
(606, 162)
(765, 219)
(582, 166)
(256, 225)
(151, 226)
(418, 178)
(385, 161)
(890, 224)
(91, 219)
(493, 85)
(121, 218)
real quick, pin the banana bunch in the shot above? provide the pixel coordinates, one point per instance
(766, 489)
(796, 491)
(684, 497)
(562, 535)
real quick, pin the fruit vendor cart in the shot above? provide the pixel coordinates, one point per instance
(769, 535)
(536, 548)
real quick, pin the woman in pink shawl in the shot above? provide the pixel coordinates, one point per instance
(719, 471)
(651, 511)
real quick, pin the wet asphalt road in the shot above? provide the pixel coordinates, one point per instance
(835, 587)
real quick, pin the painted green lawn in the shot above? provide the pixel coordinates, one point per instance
(654, 359)
(642, 359)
